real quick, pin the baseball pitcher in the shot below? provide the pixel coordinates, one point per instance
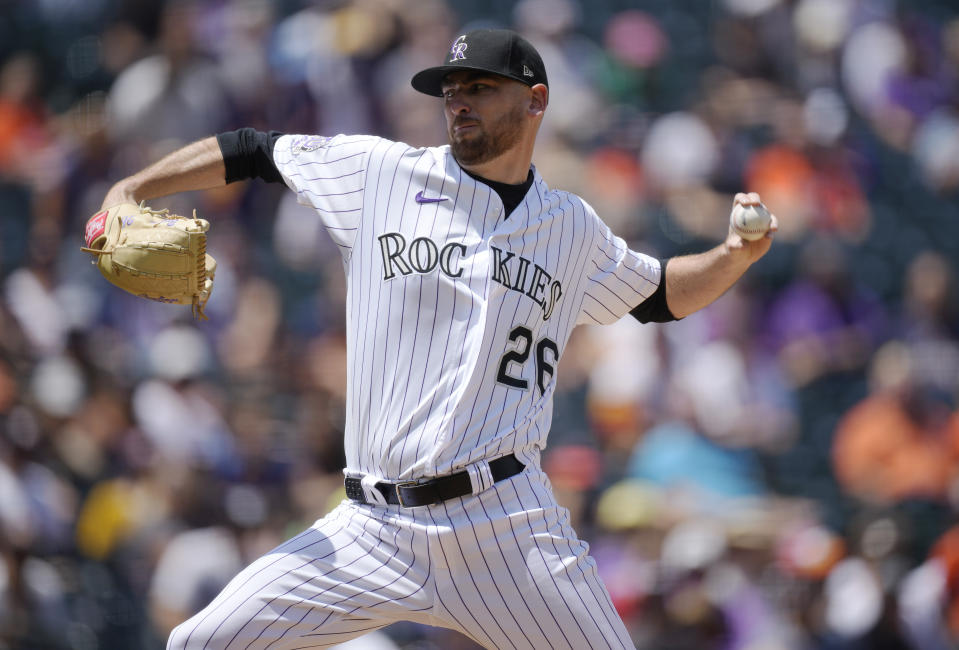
(466, 275)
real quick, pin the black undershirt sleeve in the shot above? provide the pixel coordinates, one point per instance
(248, 153)
(654, 309)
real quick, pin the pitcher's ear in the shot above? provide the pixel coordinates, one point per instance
(539, 99)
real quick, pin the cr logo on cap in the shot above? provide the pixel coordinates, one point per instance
(458, 49)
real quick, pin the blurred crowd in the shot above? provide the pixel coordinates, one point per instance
(779, 471)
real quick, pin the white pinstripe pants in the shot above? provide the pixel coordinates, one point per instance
(503, 567)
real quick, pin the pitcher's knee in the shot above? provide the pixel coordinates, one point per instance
(195, 634)
(178, 638)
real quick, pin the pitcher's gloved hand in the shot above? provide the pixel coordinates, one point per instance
(153, 254)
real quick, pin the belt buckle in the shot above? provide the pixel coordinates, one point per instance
(399, 494)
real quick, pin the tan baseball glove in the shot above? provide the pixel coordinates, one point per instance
(153, 254)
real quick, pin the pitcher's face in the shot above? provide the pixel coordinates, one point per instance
(484, 115)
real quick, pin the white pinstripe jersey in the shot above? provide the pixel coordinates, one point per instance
(457, 314)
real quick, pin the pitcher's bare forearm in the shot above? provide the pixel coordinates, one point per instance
(695, 281)
(197, 166)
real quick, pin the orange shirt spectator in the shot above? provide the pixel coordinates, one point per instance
(889, 448)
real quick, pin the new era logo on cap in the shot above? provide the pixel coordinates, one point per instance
(500, 51)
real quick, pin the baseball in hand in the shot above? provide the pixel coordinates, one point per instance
(751, 222)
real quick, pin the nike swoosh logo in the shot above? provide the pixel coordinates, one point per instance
(425, 199)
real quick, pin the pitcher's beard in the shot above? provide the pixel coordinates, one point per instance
(487, 144)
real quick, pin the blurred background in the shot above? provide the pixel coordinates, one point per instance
(779, 471)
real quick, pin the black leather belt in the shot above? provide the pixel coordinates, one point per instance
(426, 493)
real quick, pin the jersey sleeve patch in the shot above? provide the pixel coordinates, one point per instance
(305, 143)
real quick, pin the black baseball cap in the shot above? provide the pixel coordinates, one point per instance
(501, 51)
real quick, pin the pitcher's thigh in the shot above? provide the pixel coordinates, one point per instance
(331, 583)
(521, 578)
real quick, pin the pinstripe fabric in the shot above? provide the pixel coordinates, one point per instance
(437, 288)
(347, 575)
(502, 567)
(457, 318)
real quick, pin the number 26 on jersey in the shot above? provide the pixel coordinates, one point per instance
(513, 364)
